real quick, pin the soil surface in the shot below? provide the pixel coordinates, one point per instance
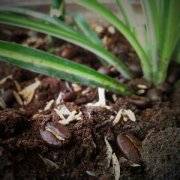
(35, 142)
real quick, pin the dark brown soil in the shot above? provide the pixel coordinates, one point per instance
(25, 155)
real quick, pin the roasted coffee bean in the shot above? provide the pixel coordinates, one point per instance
(81, 100)
(164, 88)
(69, 53)
(70, 96)
(154, 95)
(140, 102)
(128, 147)
(55, 134)
(137, 143)
(8, 98)
(103, 70)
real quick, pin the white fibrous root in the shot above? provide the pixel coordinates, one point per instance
(125, 115)
(66, 116)
(2, 81)
(102, 99)
(49, 105)
(28, 92)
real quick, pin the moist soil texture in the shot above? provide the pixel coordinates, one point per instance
(55, 129)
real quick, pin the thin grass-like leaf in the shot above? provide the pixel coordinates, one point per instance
(12, 19)
(58, 9)
(48, 64)
(114, 20)
(85, 28)
(127, 11)
(171, 37)
(40, 16)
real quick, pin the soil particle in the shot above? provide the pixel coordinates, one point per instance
(70, 96)
(164, 88)
(69, 53)
(154, 95)
(12, 122)
(8, 98)
(161, 154)
(174, 73)
(103, 70)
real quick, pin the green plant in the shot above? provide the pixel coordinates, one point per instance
(45, 63)
(161, 32)
(161, 36)
(58, 9)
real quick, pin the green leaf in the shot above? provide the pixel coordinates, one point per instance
(58, 9)
(48, 64)
(40, 16)
(98, 8)
(124, 7)
(85, 28)
(12, 19)
(171, 36)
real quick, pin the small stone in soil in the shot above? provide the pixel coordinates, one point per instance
(70, 96)
(103, 70)
(55, 134)
(154, 95)
(164, 88)
(8, 98)
(140, 102)
(127, 146)
(69, 53)
(173, 75)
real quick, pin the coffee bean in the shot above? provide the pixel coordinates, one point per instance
(70, 96)
(81, 100)
(8, 98)
(69, 53)
(154, 95)
(164, 88)
(128, 148)
(55, 134)
(137, 143)
(140, 102)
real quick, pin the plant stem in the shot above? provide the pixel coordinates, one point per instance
(162, 72)
(58, 9)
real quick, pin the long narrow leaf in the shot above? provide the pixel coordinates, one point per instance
(124, 7)
(41, 16)
(171, 37)
(58, 9)
(150, 33)
(83, 25)
(86, 29)
(45, 63)
(111, 18)
(12, 19)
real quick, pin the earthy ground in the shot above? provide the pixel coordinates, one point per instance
(34, 145)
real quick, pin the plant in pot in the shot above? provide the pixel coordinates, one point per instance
(156, 43)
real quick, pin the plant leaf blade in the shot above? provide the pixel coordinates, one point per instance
(48, 64)
(51, 30)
